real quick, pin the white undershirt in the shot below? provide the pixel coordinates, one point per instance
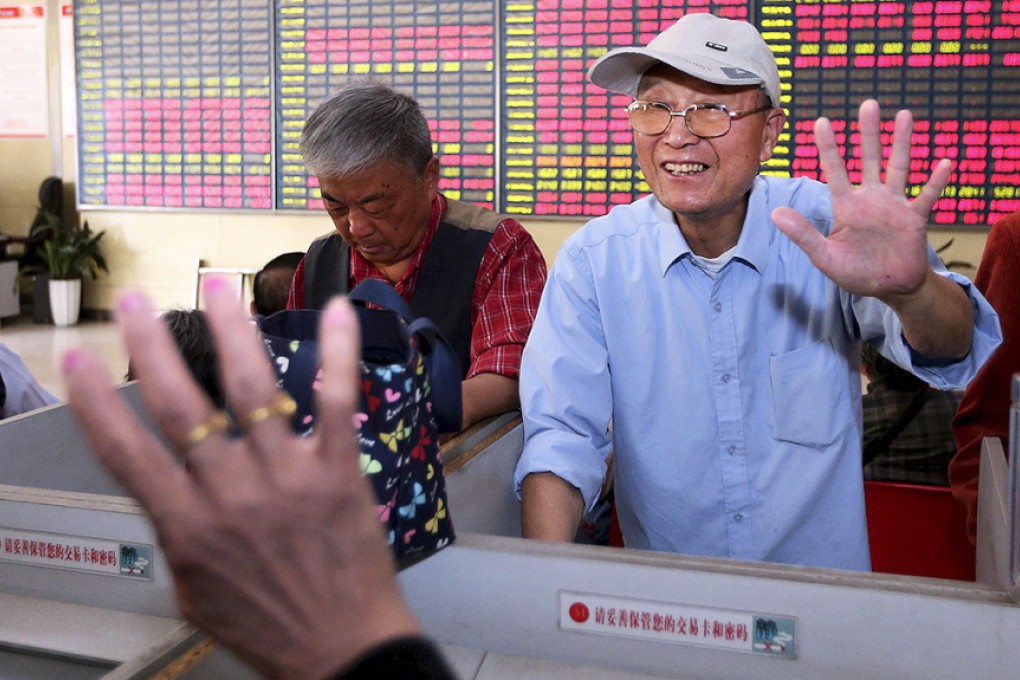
(712, 265)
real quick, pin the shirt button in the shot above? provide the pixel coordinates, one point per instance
(732, 449)
(726, 377)
(738, 518)
(717, 306)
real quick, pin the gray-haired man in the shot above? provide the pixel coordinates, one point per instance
(477, 274)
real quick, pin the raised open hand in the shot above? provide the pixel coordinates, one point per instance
(878, 245)
(273, 540)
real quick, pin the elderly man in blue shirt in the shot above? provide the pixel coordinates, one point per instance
(708, 335)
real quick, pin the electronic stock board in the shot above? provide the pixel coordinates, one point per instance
(199, 105)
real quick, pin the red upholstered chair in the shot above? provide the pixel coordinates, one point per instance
(918, 530)
(615, 535)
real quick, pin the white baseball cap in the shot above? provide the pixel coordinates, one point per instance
(713, 49)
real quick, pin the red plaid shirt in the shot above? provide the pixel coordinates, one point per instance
(508, 286)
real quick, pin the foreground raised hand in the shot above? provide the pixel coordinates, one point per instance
(273, 541)
(878, 243)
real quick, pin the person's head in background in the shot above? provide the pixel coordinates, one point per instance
(272, 284)
(190, 331)
(877, 369)
(371, 150)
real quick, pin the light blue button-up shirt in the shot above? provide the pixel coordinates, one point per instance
(23, 393)
(733, 404)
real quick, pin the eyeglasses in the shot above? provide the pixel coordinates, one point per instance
(703, 120)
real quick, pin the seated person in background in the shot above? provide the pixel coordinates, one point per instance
(19, 390)
(272, 284)
(709, 334)
(190, 330)
(984, 411)
(338, 614)
(476, 274)
(908, 433)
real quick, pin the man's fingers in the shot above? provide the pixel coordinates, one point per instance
(133, 455)
(931, 191)
(899, 161)
(871, 141)
(340, 350)
(800, 231)
(830, 158)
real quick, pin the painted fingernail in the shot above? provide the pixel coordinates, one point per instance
(71, 361)
(131, 301)
(213, 284)
(337, 313)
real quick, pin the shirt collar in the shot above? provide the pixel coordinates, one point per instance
(752, 246)
(672, 244)
(756, 234)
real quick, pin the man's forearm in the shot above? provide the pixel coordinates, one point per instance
(938, 320)
(551, 508)
(488, 394)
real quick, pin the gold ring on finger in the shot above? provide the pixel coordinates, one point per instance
(219, 421)
(282, 405)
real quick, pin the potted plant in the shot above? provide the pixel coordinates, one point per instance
(48, 219)
(68, 253)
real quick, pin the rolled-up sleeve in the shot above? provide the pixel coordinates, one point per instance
(508, 287)
(565, 385)
(886, 333)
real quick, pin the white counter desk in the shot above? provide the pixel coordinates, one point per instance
(502, 607)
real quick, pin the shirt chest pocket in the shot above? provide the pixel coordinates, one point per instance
(810, 399)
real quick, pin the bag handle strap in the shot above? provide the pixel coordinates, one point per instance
(378, 292)
(444, 368)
